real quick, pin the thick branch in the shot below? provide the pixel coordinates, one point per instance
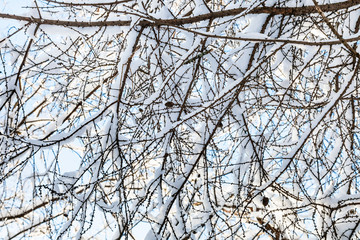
(296, 11)
(25, 212)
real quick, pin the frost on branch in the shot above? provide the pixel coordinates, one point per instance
(179, 119)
